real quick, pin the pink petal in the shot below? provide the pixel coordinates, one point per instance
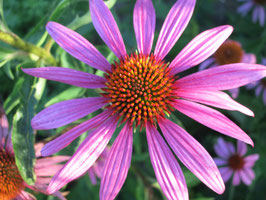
(200, 48)
(3, 127)
(234, 93)
(166, 168)
(220, 161)
(65, 112)
(261, 13)
(68, 76)
(117, 164)
(106, 27)
(226, 173)
(249, 58)
(144, 25)
(241, 148)
(46, 162)
(223, 77)
(92, 176)
(255, 14)
(65, 139)
(48, 171)
(250, 160)
(245, 8)
(212, 119)
(77, 46)
(87, 153)
(25, 196)
(236, 179)
(192, 155)
(173, 26)
(213, 98)
(221, 148)
(206, 64)
(247, 176)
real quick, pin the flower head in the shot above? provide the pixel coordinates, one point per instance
(233, 163)
(11, 183)
(139, 89)
(258, 13)
(228, 53)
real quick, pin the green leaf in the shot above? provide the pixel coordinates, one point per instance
(22, 135)
(69, 93)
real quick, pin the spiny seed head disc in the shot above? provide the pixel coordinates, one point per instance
(236, 162)
(11, 183)
(139, 89)
(261, 2)
(229, 52)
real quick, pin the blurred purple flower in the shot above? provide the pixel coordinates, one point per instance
(233, 162)
(258, 13)
(139, 89)
(228, 53)
(259, 86)
(11, 183)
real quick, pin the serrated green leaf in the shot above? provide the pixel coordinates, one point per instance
(22, 135)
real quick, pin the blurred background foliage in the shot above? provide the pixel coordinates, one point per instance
(27, 19)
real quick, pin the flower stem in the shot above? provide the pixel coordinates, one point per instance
(231, 191)
(18, 43)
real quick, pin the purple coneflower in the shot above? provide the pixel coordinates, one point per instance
(139, 89)
(11, 183)
(233, 162)
(228, 53)
(258, 13)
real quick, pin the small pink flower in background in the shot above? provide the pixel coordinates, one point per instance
(139, 89)
(228, 53)
(11, 183)
(97, 168)
(258, 13)
(259, 86)
(233, 163)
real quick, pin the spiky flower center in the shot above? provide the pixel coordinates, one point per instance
(11, 182)
(236, 162)
(140, 88)
(228, 53)
(261, 2)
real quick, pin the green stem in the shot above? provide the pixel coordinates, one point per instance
(18, 43)
(231, 191)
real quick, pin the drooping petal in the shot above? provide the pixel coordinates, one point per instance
(223, 77)
(236, 178)
(87, 153)
(106, 27)
(25, 196)
(192, 155)
(68, 76)
(241, 148)
(65, 112)
(200, 48)
(65, 139)
(212, 119)
(261, 15)
(166, 168)
(226, 173)
(173, 26)
(220, 161)
(77, 46)
(250, 160)
(247, 175)
(144, 25)
(3, 127)
(245, 8)
(117, 164)
(213, 98)
(249, 58)
(206, 64)
(221, 148)
(43, 163)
